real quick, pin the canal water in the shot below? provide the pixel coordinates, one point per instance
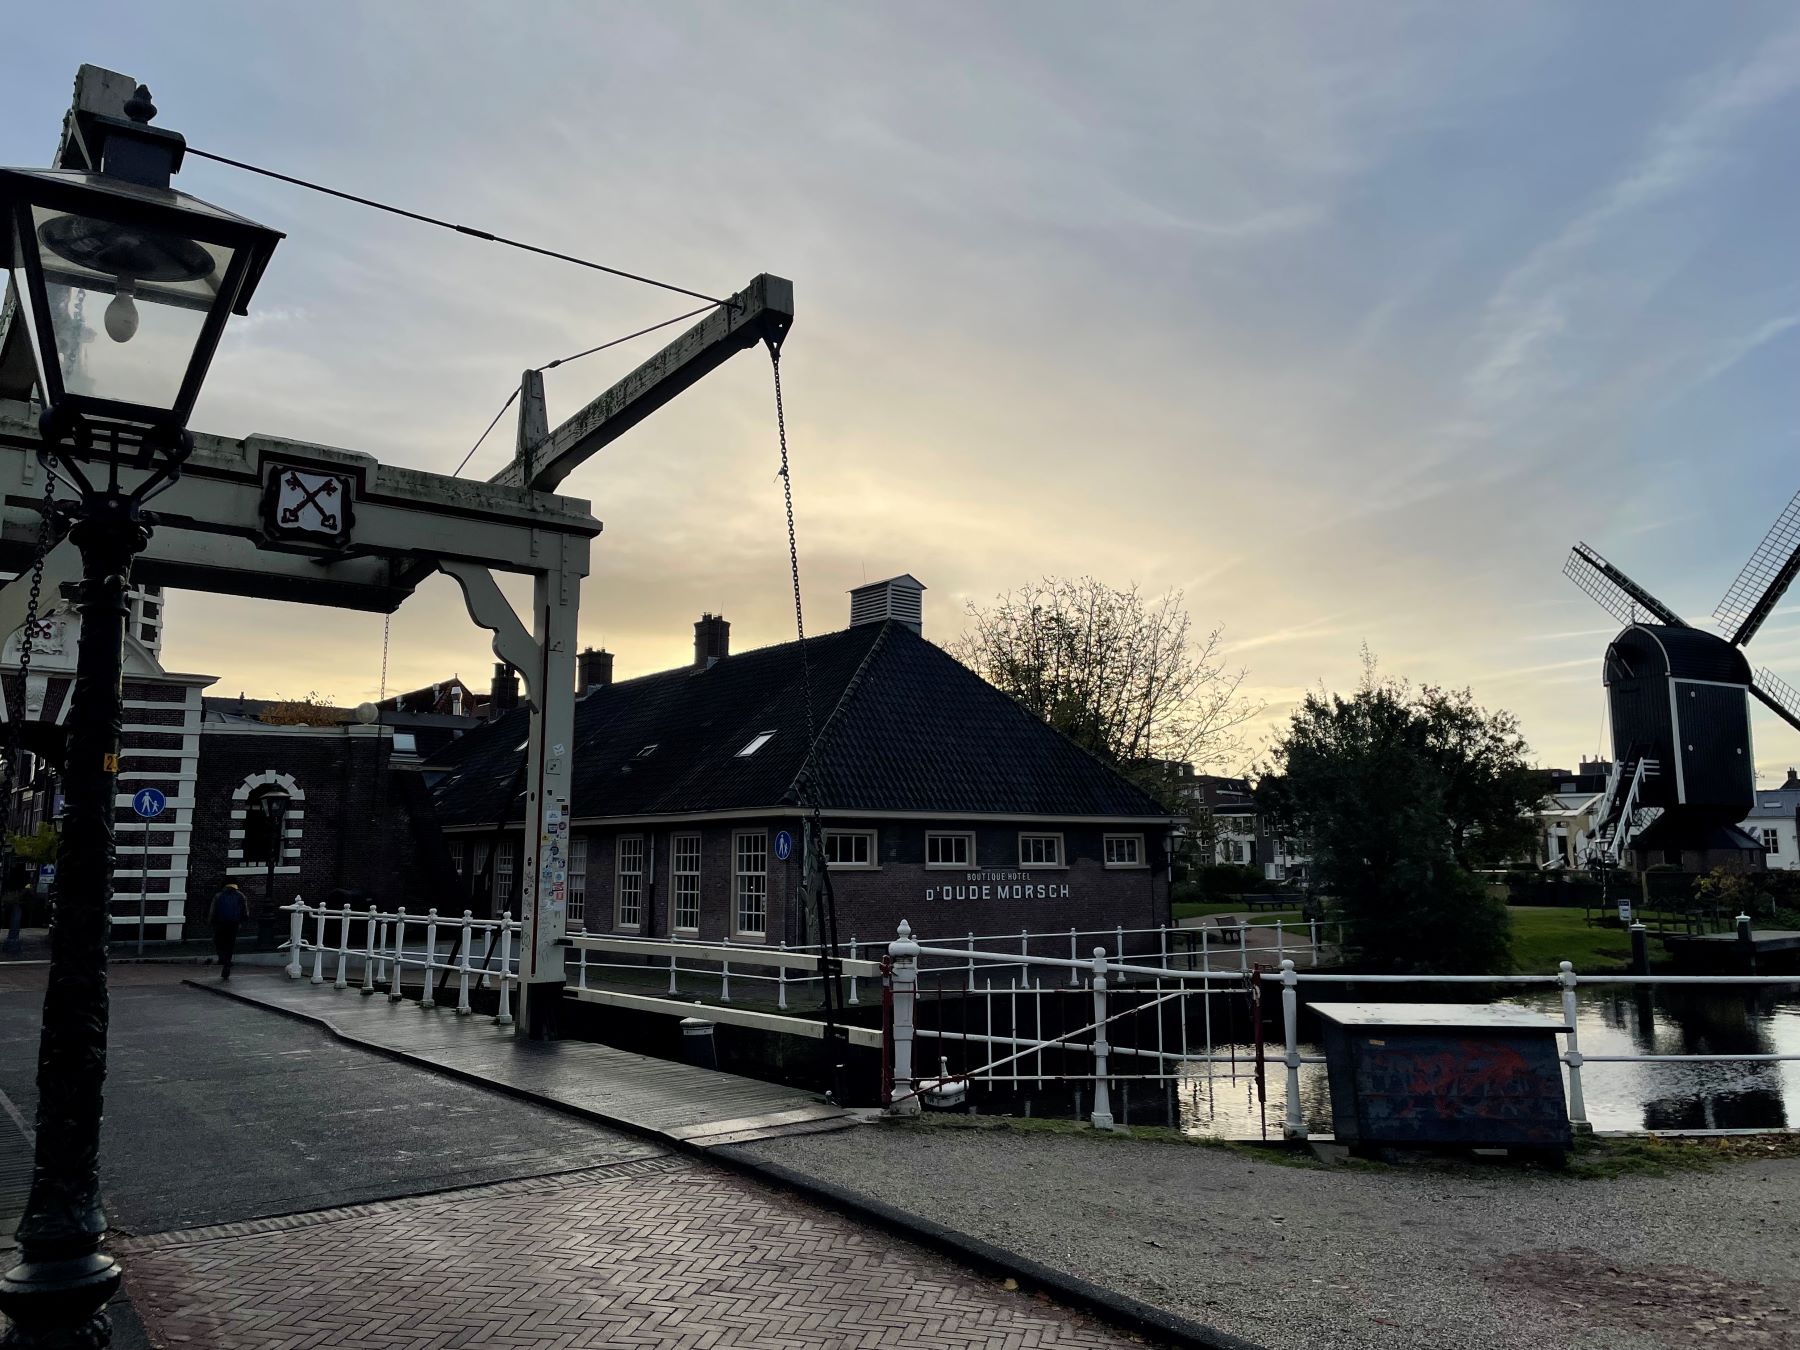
(1611, 1020)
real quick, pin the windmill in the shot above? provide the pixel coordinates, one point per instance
(1683, 770)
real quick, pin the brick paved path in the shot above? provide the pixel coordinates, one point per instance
(654, 1252)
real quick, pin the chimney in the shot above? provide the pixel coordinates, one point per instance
(456, 699)
(504, 693)
(593, 670)
(712, 641)
(1793, 780)
(897, 599)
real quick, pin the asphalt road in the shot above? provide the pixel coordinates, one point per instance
(214, 1116)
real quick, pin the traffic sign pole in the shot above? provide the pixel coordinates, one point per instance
(149, 804)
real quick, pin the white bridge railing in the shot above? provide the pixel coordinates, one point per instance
(384, 955)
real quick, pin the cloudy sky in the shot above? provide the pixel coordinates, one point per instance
(1347, 320)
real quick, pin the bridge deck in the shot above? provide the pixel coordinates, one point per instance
(674, 1102)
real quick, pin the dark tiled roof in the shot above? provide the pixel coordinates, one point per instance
(906, 728)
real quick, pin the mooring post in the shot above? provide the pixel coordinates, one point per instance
(1746, 944)
(1295, 1126)
(903, 963)
(1640, 949)
(1577, 1102)
(1102, 1113)
(296, 936)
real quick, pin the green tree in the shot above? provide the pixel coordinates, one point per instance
(1403, 794)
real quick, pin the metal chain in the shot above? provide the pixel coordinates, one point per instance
(787, 495)
(16, 713)
(386, 619)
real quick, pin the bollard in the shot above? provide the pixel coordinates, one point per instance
(1577, 1102)
(395, 991)
(504, 1017)
(1746, 944)
(318, 975)
(462, 978)
(697, 1045)
(427, 997)
(903, 964)
(1295, 1126)
(1640, 949)
(1102, 1113)
(296, 937)
(343, 948)
(369, 956)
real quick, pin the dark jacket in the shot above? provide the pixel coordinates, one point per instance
(228, 906)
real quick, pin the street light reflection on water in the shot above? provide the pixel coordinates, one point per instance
(1612, 1020)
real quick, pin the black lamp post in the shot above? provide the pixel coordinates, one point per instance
(274, 808)
(124, 286)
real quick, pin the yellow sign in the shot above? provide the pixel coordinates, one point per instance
(112, 764)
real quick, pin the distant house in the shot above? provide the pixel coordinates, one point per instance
(1773, 823)
(943, 802)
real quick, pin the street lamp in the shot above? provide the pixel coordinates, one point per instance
(274, 808)
(124, 286)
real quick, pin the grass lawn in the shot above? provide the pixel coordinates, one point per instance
(1542, 937)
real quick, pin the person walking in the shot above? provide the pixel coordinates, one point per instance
(18, 887)
(229, 909)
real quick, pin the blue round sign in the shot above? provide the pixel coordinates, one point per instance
(784, 844)
(149, 803)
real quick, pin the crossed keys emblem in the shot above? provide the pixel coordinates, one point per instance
(291, 510)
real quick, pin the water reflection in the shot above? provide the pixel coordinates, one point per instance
(1223, 1099)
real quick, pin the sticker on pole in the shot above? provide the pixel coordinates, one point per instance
(784, 844)
(149, 803)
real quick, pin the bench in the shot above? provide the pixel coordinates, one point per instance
(1256, 902)
(1224, 930)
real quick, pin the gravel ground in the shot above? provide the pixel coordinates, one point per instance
(1285, 1256)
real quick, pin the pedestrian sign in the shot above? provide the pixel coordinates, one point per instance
(149, 803)
(784, 844)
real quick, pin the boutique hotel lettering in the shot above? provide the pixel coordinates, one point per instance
(942, 802)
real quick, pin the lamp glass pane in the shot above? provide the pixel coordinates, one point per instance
(127, 304)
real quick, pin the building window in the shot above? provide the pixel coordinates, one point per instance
(628, 899)
(261, 835)
(687, 882)
(1040, 850)
(949, 850)
(850, 848)
(456, 855)
(1124, 850)
(757, 742)
(504, 859)
(578, 849)
(1231, 850)
(1771, 842)
(752, 853)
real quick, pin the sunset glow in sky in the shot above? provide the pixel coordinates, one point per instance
(1348, 320)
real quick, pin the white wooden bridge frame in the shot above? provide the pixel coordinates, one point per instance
(408, 525)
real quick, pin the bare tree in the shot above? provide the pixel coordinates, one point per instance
(1122, 675)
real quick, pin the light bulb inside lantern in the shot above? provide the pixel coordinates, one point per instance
(122, 314)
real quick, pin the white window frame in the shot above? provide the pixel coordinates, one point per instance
(749, 883)
(684, 883)
(968, 838)
(577, 898)
(1771, 840)
(1138, 862)
(506, 866)
(871, 864)
(456, 855)
(625, 846)
(1035, 835)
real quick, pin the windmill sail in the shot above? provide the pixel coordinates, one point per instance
(1615, 592)
(1778, 695)
(1765, 578)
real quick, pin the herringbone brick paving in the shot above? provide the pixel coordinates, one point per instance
(653, 1253)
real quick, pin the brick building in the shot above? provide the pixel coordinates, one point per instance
(943, 802)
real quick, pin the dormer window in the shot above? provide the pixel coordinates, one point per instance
(757, 742)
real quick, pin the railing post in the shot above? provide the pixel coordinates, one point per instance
(1119, 943)
(672, 988)
(1074, 972)
(396, 990)
(853, 999)
(1101, 1116)
(781, 982)
(1243, 947)
(427, 997)
(504, 1017)
(381, 949)
(491, 931)
(462, 978)
(581, 968)
(296, 936)
(970, 978)
(1577, 1102)
(1162, 947)
(1313, 935)
(903, 959)
(343, 948)
(1280, 943)
(318, 975)
(369, 957)
(725, 976)
(1295, 1127)
(1206, 959)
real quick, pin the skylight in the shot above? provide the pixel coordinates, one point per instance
(647, 751)
(757, 742)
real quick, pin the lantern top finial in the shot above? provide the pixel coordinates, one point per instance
(138, 107)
